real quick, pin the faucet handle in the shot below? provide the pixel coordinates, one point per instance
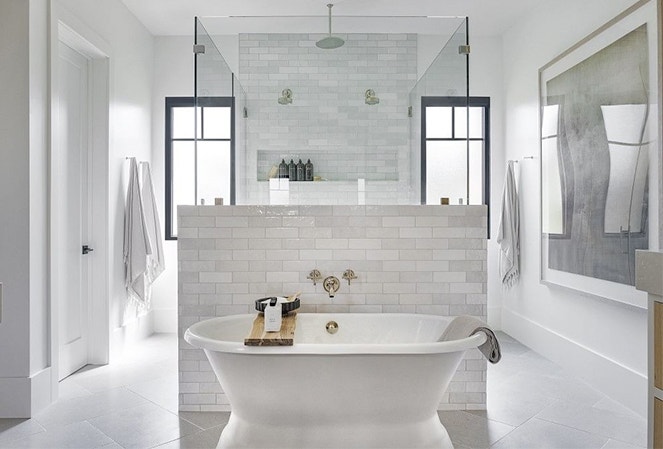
(315, 276)
(349, 275)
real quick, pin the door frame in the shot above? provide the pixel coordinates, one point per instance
(66, 28)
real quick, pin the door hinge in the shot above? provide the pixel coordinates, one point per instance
(199, 49)
(87, 249)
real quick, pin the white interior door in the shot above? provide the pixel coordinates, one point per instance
(72, 209)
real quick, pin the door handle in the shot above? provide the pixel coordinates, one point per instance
(87, 249)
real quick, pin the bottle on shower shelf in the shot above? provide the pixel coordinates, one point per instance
(308, 171)
(283, 169)
(292, 171)
(300, 171)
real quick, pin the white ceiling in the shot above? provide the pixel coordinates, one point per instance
(175, 17)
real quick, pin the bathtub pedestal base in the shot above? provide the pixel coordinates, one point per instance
(426, 434)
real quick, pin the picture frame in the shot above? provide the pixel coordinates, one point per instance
(599, 151)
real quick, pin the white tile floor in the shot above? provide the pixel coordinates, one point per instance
(532, 403)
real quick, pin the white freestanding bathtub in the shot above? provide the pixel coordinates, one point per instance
(376, 383)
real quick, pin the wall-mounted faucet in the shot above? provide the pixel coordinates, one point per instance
(331, 285)
(349, 275)
(315, 276)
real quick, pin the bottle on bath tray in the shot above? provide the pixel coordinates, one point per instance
(273, 311)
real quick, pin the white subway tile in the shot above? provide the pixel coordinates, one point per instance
(331, 243)
(397, 273)
(398, 222)
(382, 254)
(282, 254)
(415, 298)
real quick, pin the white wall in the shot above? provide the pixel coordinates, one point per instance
(173, 68)
(600, 340)
(24, 180)
(131, 77)
(23, 194)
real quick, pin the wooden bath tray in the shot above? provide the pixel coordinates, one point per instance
(258, 336)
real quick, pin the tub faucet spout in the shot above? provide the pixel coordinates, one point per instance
(331, 285)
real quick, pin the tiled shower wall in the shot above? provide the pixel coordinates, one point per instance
(328, 120)
(419, 259)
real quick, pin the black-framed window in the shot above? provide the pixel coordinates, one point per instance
(200, 154)
(450, 168)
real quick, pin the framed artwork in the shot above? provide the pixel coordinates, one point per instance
(599, 157)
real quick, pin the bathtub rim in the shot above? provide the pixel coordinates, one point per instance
(194, 338)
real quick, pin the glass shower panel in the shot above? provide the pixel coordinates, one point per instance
(240, 152)
(213, 77)
(474, 127)
(214, 99)
(439, 167)
(220, 116)
(344, 109)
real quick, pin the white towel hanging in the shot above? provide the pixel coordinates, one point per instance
(508, 235)
(137, 245)
(155, 262)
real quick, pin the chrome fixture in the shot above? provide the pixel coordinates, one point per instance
(464, 49)
(349, 275)
(331, 285)
(332, 327)
(370, 98)
(286, 97)
(315, 276)
(330, 42)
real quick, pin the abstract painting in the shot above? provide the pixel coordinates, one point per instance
(598, 132)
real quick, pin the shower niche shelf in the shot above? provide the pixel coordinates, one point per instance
(336, 164)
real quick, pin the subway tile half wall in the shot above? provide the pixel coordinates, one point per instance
(412, 259)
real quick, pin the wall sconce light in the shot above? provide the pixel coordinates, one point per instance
(286, 97)
(370, 98)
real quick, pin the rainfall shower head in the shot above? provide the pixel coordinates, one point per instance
(330, 42)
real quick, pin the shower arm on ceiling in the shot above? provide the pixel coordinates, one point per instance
(330, 5)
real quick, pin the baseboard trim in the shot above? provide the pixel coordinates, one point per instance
(617, 381)
(495, 318)
(165, 321)
(23, 397)
(131, 332)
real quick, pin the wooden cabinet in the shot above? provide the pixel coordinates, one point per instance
(649, 278)
(658, 424)
(658, 344)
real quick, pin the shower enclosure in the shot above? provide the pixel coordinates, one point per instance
(359, 113)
